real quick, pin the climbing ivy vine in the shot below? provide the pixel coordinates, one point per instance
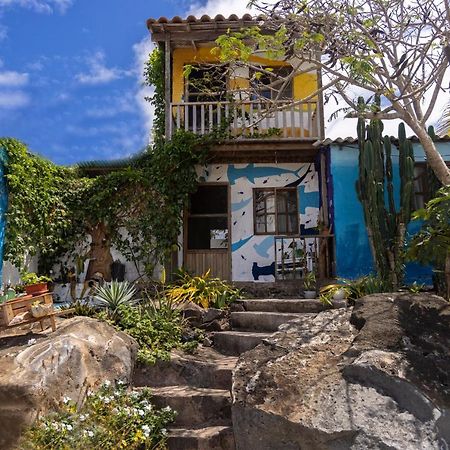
(137, 208)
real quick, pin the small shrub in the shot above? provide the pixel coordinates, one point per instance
(309, 281)
(82, 307)
(202, 290)
(354, 289)
(111, 418)
(113, 295)
(156, 330)
(28, 279)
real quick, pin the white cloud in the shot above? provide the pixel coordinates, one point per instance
(13, 100)
(14, 79)
(98, 72)
(224, 7)
(112, 106)
(39, 6)
(142, 51)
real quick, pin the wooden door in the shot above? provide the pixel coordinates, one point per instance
(207, 232)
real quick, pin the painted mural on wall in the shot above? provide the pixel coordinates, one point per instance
(253, 257)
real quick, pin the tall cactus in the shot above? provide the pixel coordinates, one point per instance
(386, 224)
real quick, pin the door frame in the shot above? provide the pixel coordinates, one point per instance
(186, 228)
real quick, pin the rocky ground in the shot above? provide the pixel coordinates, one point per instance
(275, 375)
(376, 376)
(37, 370)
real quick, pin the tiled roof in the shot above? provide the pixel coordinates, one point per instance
(205, 19)
(353, 140)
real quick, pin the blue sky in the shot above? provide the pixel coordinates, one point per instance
(70, 75)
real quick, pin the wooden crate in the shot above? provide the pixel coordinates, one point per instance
(12, 308)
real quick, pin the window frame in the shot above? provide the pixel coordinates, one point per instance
(275, 190)
(260, 87)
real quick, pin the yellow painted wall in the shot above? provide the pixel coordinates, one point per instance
(304, 84)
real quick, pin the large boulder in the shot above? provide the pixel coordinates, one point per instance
(38, 370)
(373, 377)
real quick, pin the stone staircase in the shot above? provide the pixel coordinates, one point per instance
(254, 320)
(198, 386)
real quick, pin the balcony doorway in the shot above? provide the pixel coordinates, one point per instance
(207, 232)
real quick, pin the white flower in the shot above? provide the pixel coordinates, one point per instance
(31, 342)
(107, 399)
(135, 394)
(83, 417)
(146, 430)
(167, 409)
(69, 427)
(148, 407)
(89, 433)
(106, 383)
(66, 400)
(141, 412)
(120, 383)
(163, 431)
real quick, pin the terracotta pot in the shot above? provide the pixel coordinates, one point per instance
(36, 289)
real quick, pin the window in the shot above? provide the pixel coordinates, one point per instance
(208, 218)
(275, 211)
(206, 84)
(269, 85)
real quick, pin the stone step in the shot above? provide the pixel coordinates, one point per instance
(237, 342)
(205, 368)
(195, 406)
(260, 321)
(207, 438)
(283, 305)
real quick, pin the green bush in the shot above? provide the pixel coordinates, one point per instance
(111, 418)
(113, 295)
(157, 330)
(204, 291)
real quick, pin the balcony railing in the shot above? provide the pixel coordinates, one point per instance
(249, 119)
(297, 255)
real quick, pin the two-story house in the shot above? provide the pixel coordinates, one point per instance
(261, 212)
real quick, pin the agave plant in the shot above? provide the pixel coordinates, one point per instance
(113, 295)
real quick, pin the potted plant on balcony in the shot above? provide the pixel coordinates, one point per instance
(309, 285)
(34, 284)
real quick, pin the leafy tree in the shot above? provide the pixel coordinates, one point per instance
(396, 49)
(432, 244)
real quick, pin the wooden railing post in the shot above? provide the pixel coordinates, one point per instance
(247, 118)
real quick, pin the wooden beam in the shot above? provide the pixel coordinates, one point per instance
(167, 84)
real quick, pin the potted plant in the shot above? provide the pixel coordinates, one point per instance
(309, 285)
(332, 292)
(34, 284)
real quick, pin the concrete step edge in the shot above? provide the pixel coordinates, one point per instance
(198, 431)
(188, 391)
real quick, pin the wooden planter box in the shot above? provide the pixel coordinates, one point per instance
(12, 308)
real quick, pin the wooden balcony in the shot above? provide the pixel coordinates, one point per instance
(250, 119)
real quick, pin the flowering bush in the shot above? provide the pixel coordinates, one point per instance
(111, 418)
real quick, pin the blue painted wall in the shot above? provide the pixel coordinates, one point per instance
(353, 254)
